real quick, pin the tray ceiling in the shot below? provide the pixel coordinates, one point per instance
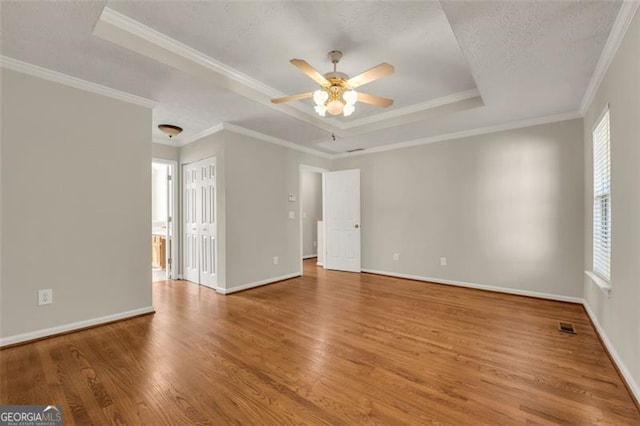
(459, 65)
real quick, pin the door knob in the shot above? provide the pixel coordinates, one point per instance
(356, 226)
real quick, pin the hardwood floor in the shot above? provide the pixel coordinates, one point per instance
(327, 348)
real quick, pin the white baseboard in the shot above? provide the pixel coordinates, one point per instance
(507, 290)
(310, 256)
(633, 385)
(257, 283)
(25, 337)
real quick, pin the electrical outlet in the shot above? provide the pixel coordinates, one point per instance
(396, 256)
(443, 261)
(275, 260)
(45, 297)
(292, 215)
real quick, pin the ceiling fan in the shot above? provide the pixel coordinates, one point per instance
(336, 94)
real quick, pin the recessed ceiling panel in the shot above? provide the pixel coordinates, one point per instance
(259, 38)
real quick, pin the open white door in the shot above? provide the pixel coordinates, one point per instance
(342, 220)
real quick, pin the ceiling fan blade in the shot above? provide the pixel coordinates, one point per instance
(371, 74)
(310, 71)
(292, 98)
(374, 100)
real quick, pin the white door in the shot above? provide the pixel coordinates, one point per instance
(207, 225)
(342, 220)
(199, 212)
(190, 255)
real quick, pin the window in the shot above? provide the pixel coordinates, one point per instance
(602, 199)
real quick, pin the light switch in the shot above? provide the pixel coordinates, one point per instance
(292, 215)
(292, 198)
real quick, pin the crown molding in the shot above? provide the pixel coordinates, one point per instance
(412, 109)
(147, 33)
(618, 31)
(417, 142)
(466, 133)
(163, 141)
(133, 35)
(277, 141)
(206, 132)
(118, 28)
(67, 80)
(234, 128)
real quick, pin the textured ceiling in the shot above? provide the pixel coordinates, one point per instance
(527, 59)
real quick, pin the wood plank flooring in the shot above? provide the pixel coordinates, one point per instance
(327, 348)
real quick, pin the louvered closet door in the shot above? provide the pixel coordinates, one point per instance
(190, 239)
(207, 235)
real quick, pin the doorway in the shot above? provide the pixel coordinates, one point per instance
(162, 223)
(311, 214)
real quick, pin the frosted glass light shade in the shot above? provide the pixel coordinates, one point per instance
(320, 97)
(321, 110)
(350, 97)
(348, 110)
(334, 107)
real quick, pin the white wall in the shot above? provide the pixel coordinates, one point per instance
(311, 211)
(76, 205)
(619, 314)
(506, 209)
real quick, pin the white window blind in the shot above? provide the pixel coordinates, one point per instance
(602, 199)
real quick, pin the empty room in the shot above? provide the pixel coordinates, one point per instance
(320, 212)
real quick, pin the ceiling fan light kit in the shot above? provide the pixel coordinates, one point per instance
(336, 94)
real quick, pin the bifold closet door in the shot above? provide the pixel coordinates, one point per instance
(200, 243)
(190, 252)
(207, 235)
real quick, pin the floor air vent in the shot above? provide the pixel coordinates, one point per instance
(566, 327)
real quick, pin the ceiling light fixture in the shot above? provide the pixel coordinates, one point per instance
(336, 95)
(170, 130)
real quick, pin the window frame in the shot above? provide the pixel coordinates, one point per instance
(601, 220)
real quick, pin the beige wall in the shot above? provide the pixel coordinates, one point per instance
(619, 314)
(253, 182)
(259, 177)
(505, 209)
(76, 205)
(165, 152)
(311, 198)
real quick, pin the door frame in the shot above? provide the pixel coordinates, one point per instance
(307, 168)
(173, 224)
